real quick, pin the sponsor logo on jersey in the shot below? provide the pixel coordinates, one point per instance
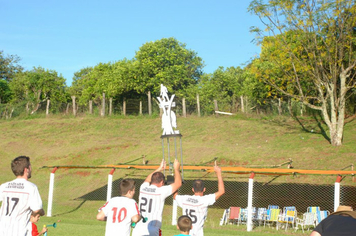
(150, 190)
(15, 185)
(192, 200)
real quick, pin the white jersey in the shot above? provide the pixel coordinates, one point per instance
(196, 207)
(151, 203)
(19, 198)
(119, 211)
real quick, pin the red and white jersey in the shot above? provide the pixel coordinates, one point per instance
(19, 198)
(196, 207)
(151, 203)
(119, 211)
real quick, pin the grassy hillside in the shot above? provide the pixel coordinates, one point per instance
(234, 140)
(237, 140)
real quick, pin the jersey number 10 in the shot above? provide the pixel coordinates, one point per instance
(121, 215)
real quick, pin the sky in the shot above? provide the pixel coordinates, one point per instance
(67, 36)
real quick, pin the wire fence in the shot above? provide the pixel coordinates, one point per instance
(74, 187)
(140, 107)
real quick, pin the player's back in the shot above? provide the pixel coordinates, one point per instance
(151, 200)
(151, 204)
(196, 207)
(18, 198)
(119, 211)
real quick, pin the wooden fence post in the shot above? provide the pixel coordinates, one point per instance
(124, 107)
(198, 105)
(242, 104)
(149, 103)
(103, 106)
(74, 106)
(47, 107)
(279, 107)
(140, 108)
(184, 108)
(110, 106)
(216, 107)
(90, 106)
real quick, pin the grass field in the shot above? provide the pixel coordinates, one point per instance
(236, 141)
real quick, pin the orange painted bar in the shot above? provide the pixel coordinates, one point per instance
(233, 170)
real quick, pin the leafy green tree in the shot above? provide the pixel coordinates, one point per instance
(166, 61)
(39, 85)
(322, 56)
(9, 66)
(5, 92)
(223, 85)
(79, 77)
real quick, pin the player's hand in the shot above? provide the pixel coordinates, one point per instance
(176, 164)
(217, 169)
(162, 166)
(44, 230)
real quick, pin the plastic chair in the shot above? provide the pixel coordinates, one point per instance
(307, 220)
(287, 217)
(321, 216)
(231, 215)
(272, 214)
(261, 214)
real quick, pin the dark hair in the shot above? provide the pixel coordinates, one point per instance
(157, 178)
(126, 185)
(198, 185)
(39, 212)
(19, 164)
(184, 223)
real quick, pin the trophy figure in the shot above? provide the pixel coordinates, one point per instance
(169, 126)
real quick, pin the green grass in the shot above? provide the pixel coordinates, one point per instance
(238, 141)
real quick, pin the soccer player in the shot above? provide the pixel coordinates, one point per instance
(19, 199)
(196, 206)
(153, 193)
(119, 212)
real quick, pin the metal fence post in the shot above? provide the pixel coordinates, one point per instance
(249, 202)
(337, 192)
(108, 194)
(50, 192)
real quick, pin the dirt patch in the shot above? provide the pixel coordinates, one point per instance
(82, 173)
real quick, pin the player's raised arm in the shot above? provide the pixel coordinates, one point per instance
(177, 177)
(221, 187)
(159, 169)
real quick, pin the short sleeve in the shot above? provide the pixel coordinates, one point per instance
(105, 208)
(209, 199)
(179, 200)
(166, 191)
(35, 200)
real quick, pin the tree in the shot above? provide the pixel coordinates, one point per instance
(38, 85)
(5, 92)
(168, 62)
(9, 66)
(323, 53)
(223, 85)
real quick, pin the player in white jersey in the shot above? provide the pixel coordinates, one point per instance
(151, 200)
(19, 199)
(120, 212)
(196, 206)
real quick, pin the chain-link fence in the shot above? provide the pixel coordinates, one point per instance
(75, 187)
(140, 106)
